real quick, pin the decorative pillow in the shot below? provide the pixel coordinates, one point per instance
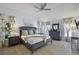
(31, 32)
(24, 32)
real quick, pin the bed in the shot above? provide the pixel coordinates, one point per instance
(32, 40)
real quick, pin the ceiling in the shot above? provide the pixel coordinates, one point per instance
(58, 10)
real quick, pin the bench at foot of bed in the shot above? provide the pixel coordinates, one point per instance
(35, 46)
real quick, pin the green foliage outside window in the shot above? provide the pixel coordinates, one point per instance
(7, 30)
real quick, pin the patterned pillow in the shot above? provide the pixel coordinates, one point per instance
(31, 32)
(24, 32)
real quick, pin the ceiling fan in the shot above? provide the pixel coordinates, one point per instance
(42, 7)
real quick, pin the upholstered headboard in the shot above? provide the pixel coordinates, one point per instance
(29, 29)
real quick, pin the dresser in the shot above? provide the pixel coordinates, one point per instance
(55, 35)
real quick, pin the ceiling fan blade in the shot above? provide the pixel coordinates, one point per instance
(36, 7)
(43, 6)
(46, 9)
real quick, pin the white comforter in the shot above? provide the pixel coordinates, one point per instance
(35, 38)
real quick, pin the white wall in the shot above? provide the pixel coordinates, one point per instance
(25, 11)
(58, 11)
(29, 19)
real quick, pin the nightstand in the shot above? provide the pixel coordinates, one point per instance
(14, 40)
